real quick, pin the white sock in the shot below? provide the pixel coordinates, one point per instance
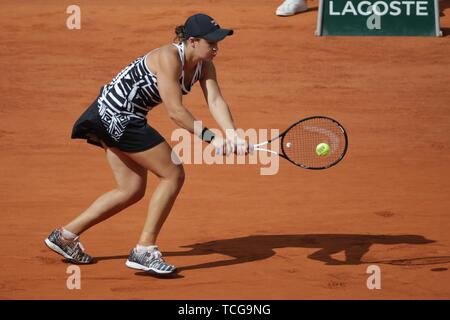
(67, 234)
(142, 249)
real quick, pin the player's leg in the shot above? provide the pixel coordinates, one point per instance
(146, 255)
(131, 181)
(171, 177)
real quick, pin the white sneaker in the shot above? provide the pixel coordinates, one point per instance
(149, 261)
(291, 7)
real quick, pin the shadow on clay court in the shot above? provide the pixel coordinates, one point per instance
(312, 9)
(141, 273)
(259, 247)
(95, 260)
(445, 32)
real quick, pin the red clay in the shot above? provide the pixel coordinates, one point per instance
(233, 233)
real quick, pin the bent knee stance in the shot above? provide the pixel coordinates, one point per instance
(130, 196)
(176, 174)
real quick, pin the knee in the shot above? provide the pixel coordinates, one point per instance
(178, 175)
(132, 194)
(181, 176)
(138, 194)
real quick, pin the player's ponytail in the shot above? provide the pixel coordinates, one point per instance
(179, 34)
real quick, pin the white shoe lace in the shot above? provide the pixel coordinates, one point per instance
(156, 255)
(75, 243)
(81, 246)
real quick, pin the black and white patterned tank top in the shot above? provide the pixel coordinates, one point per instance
(133, 92)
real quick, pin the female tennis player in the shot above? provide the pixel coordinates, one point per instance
(116, 121)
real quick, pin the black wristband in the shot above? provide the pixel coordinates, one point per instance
(207, 135)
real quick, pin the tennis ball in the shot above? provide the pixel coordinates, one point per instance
(322, 149)
(288, 144)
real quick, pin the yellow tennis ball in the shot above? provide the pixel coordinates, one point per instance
(322, 149)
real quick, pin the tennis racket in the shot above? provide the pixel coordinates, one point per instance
(299, 141)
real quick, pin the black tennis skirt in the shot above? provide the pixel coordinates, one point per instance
(138, 135)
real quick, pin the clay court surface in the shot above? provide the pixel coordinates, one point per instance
(233, 233)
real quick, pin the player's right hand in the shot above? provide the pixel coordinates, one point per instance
(221, 146)
(240, 146)
(231, 145)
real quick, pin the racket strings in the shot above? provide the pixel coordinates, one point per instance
(300, 142)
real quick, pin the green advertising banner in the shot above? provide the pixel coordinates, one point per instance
(378, 18)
